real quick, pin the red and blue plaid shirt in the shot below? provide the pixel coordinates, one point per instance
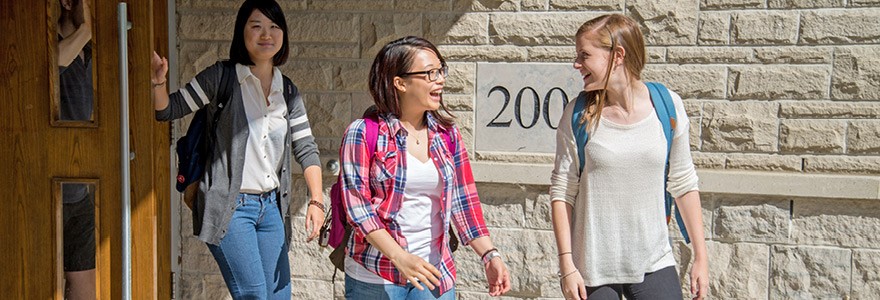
(373, 185)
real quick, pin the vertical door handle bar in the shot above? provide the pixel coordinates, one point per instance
(124, 26)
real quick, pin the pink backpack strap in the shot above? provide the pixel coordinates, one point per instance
(371, 132)
(450, 144)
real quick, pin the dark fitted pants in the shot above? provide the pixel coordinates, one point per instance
(661, 285)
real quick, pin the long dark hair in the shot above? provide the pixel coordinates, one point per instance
(238, 51)
(393, 60)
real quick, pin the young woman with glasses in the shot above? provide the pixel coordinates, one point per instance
(401, 199)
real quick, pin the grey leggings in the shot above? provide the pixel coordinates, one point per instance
(662, 284)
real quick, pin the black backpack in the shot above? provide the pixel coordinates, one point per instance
(194, 149)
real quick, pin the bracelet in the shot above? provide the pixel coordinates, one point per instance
(489, 255)
(563, 253)
(566, 275)
(317, 204)
(483, 257)
(158, 84)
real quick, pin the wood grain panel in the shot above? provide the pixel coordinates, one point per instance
(144, 199)
(106, 64)
(27, 231)
(161, 175)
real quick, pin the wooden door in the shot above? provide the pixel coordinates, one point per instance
(39, 151)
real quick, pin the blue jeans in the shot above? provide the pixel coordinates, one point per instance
(356, 290)
(253, 254)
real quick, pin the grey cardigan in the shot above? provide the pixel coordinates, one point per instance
(221, 182)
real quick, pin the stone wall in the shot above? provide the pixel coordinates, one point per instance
(769, 85)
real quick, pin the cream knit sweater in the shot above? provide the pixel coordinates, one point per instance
(618, 229)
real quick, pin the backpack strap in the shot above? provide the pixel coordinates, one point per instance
(223, 96)
(371, 132)
(450, 143)
(580, 130)
(288, 89)
(665, 109)
(226, 82)
(221, 99)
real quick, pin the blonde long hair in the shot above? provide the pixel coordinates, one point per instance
(613, 30)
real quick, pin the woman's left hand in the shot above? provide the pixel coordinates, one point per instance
(314, 221)
(497, 277)
(700, 278)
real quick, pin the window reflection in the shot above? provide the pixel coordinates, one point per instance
(76, 94)
(78, 239)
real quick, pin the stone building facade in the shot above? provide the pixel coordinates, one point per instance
(783, 98)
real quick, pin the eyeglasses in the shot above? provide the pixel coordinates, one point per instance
(433, 74)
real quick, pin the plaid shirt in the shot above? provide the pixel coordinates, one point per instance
(373, 193)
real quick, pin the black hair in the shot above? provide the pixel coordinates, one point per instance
(238, 51)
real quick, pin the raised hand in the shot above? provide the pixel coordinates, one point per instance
(159, 69)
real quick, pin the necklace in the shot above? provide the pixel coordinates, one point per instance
(412, 131)
(415, 134)
(418, 140)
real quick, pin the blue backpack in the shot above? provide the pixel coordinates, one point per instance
(662, 101)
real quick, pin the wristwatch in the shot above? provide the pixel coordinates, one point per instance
(489, 256)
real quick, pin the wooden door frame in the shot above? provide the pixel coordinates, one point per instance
(151, 217)
(149, 141)
(36, 153)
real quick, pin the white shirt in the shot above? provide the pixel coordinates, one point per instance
(267, 126)
(618, 231)
(419, 218)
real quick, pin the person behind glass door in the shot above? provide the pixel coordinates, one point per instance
(76, 99)
(402, 199)
(609, 222)
(241, 210)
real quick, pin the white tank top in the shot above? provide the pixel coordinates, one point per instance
(421, 202)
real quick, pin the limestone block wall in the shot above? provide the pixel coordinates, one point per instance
(769, 85)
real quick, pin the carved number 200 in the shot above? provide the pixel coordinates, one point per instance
(517, 108)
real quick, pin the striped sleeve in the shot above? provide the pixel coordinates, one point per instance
(197, 93)
(304, 148)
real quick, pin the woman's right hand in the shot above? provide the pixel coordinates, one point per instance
(573, 286)
(159, 68)
(415, 270)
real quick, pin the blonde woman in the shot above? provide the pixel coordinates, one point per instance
(609, 218)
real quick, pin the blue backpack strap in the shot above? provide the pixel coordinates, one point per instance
(665, 108)
(580, 130)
